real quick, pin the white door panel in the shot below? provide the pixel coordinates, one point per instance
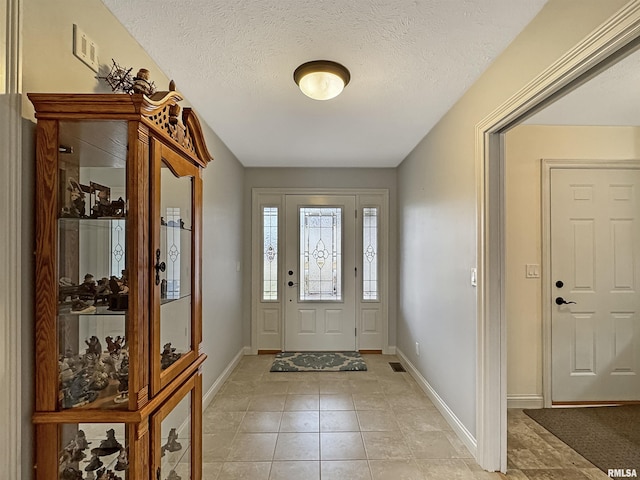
(320, 289)
(595, 254)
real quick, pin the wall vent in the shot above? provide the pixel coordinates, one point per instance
(397, 367)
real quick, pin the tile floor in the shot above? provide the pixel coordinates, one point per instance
(373, 425)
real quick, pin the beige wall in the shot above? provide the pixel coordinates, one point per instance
(525, 146)
(324, 178)
(3, 47)
(437, 208)
(49, 66)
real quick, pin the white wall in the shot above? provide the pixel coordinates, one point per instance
(49, 66)
(525, 146)
(324, 178)
(437, 209)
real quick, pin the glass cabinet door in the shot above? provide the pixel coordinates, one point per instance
(173, 279)
(176, 434)
(93, 284)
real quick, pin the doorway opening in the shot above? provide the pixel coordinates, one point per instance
(607, 45)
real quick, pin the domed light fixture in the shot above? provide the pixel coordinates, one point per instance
(321, 79)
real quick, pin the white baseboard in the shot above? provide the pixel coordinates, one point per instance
(461, 431)
(389, 350)
(249, 351)
(525, 401)
(207, 398)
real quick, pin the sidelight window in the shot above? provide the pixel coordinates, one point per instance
(270, 253)
(370, 253)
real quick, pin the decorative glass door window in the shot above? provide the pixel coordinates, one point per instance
(320, 254)
(370, 253)
(270, 253)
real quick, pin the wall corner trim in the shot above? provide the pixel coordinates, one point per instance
(458, 427)
(207, 398)
(531, 400)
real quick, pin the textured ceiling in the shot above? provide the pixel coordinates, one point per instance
(409, 61)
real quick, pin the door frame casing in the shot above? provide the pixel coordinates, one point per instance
(592, 55)
(15, 410)
(257, 195)
(546, 281)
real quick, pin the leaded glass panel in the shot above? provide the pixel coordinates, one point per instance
(370, 253)
(320, 253)
(270, 253)
(118, 241)
(173, 249)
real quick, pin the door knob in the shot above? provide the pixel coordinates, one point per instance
(562, 301)
(291, 284)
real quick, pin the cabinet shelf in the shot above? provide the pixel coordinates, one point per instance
(65, 311)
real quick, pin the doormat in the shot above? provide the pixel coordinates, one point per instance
(608, 437)
(318, 362)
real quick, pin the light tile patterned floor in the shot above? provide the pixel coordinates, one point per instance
(373, 425)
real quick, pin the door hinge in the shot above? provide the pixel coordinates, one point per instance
(356, 269)
(356, 212)
(355, 331)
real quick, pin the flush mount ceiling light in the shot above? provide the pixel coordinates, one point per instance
(321, 79)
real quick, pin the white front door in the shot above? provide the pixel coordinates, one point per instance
(595, 274)
(319, 281)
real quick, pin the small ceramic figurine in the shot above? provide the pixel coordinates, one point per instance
(174, 476)
(87, 289)
(94, 346)
(168, 356)
(108, 446)
(141, 83)
(123, 460)
(71, 473)
(102, 290)
(114, 346)
(81, 440)
(123, 378)
(94, 464)
(172, 442)
(77, 208)
(79, 392)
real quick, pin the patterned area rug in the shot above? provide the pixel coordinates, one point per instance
(609, 437)
(318, 362)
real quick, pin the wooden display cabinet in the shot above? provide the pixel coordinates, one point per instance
(118, 294)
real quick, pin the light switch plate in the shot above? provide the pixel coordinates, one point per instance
(532, 270)
(85, 49)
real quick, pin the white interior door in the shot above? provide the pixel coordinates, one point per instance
(320, 272)
(595, 262)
